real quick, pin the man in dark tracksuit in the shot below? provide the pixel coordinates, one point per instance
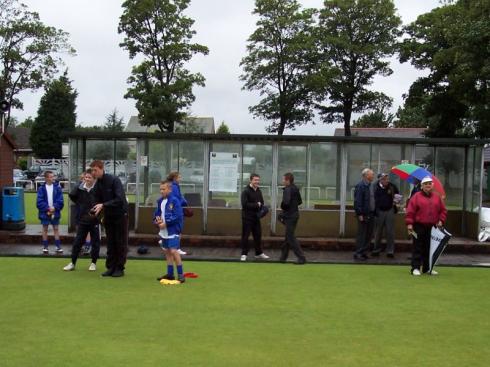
(252, 201)
(111, 197)
(364, 205)
(291, 199)
(84, 197)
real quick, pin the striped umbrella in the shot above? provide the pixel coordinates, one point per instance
(409, 172)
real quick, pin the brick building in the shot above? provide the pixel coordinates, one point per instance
(7, 160)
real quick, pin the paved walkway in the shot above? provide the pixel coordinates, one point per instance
(233, 254)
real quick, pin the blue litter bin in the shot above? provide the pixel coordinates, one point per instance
(13, 212)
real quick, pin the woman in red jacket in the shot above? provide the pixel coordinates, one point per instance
(425, 210)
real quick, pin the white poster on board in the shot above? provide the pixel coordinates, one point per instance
(223, 171)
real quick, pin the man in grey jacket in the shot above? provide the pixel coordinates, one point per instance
(291, 199)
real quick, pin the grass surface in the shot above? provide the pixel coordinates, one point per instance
(238, 314)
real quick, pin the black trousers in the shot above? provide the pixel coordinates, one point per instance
(421, 247)
(116, 230)
(251, 225)
(82, 230)
(290, 241)
(364, 234)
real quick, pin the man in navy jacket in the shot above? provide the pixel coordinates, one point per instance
(364, 206)
(110, 197)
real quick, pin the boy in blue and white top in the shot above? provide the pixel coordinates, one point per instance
(169, 218)
(49, 203)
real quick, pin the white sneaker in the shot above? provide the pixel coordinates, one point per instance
(262, 256)
(243, 258)
(59, 250)
(416, 272)
(69, 267)
(92, 267)
(433, 272)
(181, 252)
(45, 250)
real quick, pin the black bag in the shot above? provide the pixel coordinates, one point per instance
(142, 250)
(264, 209)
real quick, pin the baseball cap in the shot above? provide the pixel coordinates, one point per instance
(426, 179)
(381, 175)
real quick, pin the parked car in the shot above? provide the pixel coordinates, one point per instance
(33, 172)
(19, 175)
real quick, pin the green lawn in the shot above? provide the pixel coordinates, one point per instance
(242, 315)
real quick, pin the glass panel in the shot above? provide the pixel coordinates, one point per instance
(218, 199)
(125, 164)
(324, 180)
(476, 200)
(258, 159)
(103, 150)
(470, 164)
(292, 159)
(191, 167)
(358, 158)
(424, 157)
(162, 159)
(450, 171)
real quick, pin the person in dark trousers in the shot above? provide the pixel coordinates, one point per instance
(291, 199)
(384, 195)
(425, 210)
(364, 206)
(252, 201)
(83, 196)
(111, 199)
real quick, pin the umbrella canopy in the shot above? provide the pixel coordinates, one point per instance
(409, 172)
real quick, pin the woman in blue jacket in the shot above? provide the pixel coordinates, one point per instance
(49, 203)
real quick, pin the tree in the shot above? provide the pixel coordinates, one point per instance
(29, 52)
(451, 42)
(379, 117)
(223, 129)
(113, 122)
(278, 64)
(355, 38)
(161, 34)
(56, 115)
(28, 122)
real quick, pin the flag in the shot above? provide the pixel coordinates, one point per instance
(439, 238)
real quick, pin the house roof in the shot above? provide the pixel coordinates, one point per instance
(6, 136)
(202, 125)
(21, 137)
(384, 132)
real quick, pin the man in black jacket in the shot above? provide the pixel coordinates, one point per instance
(252, 202)
(83, 196)
(111, 198)
(291, 199)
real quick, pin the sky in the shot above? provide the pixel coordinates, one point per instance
(100, 69)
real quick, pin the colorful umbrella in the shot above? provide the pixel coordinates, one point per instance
(409, 172)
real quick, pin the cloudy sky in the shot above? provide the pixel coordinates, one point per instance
(101, 67)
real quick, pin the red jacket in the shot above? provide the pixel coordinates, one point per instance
(425, 209)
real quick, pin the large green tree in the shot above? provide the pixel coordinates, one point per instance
(158, 33)
(113, 122)
(55, 116)
(452, 43)
(29, 52)
(279, 64)
(355, 40)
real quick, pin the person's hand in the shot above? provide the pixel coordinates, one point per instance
(97, 208)
(439, 224)
(410, 227)
(361, 218)
(162, 224)
(259, 204)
